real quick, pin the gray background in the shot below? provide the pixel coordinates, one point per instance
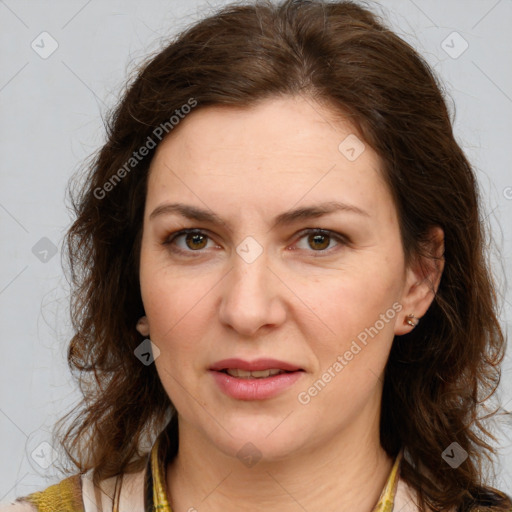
(51, 121)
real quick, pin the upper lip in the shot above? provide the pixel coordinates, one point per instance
(257, 364)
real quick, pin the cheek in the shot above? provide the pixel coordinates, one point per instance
(353, 352)
(359, 308)
(166, 294)
(169, 305)
(179, 310)
(178, 323)
(354, 299)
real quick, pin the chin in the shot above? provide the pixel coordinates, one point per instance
(259, 440)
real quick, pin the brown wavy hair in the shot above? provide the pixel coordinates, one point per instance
(342, 55)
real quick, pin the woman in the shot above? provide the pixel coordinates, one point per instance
(278, 259)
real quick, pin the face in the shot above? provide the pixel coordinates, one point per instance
(325, 294)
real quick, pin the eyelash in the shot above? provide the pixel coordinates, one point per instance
(317, 231)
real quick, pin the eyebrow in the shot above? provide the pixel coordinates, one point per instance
(283, 219)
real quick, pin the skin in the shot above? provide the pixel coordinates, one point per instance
(301, 301)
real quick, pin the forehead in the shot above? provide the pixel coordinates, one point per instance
(283, 150)
(287, 127)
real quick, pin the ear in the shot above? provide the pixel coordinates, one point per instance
(143, 326)
(423, 276)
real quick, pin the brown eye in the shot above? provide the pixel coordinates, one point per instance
(319, 241)
(195, 240)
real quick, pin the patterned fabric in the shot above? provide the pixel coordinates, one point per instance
(160, 502)
(387, 497)
(66, 496)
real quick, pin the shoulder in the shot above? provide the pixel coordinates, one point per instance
(127, 489)
(65, 495)
(406, 498)
(78, 494)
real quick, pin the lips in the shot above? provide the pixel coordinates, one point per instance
(260, 379)
(257, 365)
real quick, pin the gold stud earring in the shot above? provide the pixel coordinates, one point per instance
(410, 320)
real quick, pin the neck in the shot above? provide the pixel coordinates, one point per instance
(346, 473)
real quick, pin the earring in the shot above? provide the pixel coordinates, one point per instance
(143, 326)
(410, 320)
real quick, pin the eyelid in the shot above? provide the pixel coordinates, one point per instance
(341, 239)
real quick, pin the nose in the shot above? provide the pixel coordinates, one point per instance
(252, 297)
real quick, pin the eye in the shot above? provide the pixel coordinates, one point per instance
(320, 239)
(195, 240)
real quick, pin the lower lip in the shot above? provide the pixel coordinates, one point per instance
(255, 389)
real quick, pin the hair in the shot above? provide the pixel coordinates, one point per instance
(341, 55)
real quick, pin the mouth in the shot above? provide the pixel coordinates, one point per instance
(257, 374)
(257, 380)
(255, 368)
